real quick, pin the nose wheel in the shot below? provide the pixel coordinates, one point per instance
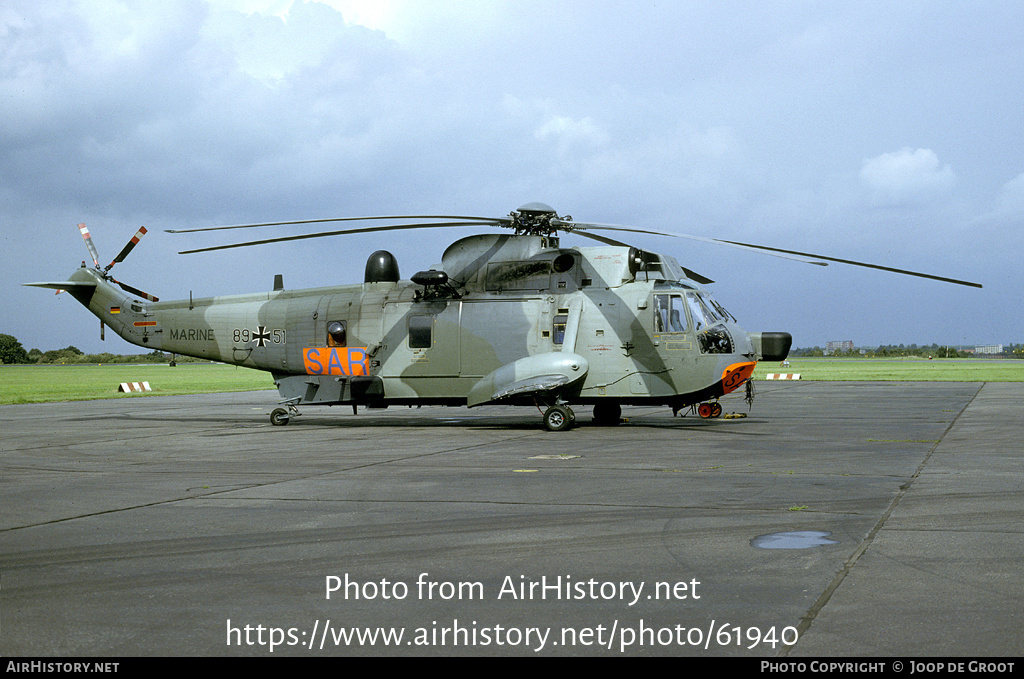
(559, 418)
(709, 410)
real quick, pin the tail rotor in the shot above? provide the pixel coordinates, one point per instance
(120, 258)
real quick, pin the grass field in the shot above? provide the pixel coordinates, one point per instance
(899, 369)
(42, 383)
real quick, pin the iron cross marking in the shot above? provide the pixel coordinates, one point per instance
(261, 336)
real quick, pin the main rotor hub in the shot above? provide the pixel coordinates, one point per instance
(535, 219)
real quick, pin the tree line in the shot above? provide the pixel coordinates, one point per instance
(12, 352)
(922, 351)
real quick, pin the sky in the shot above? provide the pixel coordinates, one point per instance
(883, 132)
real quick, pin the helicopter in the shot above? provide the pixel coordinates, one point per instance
(505, 318)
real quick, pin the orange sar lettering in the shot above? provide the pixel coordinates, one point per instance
(340, 361)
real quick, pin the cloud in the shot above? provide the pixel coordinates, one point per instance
(1011, 198)
(710, 118)
(906, 176)
(1002, 224)
(566, 133)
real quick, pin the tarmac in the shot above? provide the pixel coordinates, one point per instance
(868, 519)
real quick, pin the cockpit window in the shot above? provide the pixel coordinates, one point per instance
(669, 314)
(700, 321)
(703, 314)
(722, 311)
(709, 310)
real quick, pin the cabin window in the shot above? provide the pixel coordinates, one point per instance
(337, 332)
(668, 314)
(558, 327)
(420, 332)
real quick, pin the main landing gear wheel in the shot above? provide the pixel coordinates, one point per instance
(279, 417)
(558, 418)
(607, 414)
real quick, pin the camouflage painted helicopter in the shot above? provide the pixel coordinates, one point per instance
(505, 318)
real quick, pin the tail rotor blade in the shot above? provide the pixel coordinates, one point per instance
(89, 244)
(136, 291)
(128, 248)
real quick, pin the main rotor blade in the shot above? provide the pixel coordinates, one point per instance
(574, 227)
(483, 220)
(692, 275)
(129, 247)
(391, 227)
(855, 263)
(602, 239)
(89, 244)
(618, 227)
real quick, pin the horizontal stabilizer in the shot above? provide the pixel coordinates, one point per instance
(63, 285)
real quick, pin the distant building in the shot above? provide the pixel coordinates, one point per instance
(835, 347)
(990, 349)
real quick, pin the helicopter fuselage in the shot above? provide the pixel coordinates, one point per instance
(504, 319)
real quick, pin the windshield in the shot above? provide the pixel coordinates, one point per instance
(702, 315)
(670, 311)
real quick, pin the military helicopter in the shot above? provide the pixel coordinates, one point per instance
(505, 318)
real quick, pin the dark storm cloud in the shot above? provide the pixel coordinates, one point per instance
(888, 133)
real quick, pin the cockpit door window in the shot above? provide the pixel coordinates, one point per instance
(669, 315)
